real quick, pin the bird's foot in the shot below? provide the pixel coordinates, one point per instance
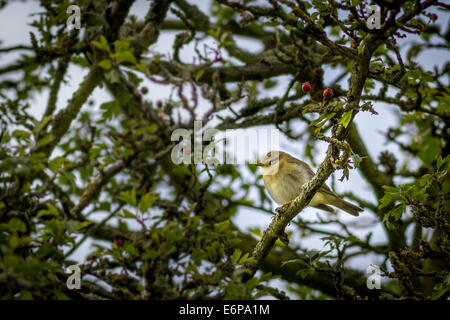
(283, 207)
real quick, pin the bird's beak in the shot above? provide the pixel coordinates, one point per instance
(260, 164)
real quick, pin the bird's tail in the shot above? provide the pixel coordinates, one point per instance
(346, 206)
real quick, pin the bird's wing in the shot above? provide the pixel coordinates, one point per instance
(307, 169)
(325, 189)
(310, 173)
(325, 208)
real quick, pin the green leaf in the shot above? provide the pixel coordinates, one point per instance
(131, 249)
(245, 258)
(104, 206)
(352, 238)
(127, 214)
(385, 201)
(236, 255)
(147, 201)
(197, 256)
(430, 148)
(14, 225)
(43, 124)
(441, 175)
(112, 109)
(397, 212)
(182, 171)
(44, 141)
(300, 262)
(314, 16)
(391, 189)
(83, 225)
(395, 68)
(124, 56)
(129, 197)
(94, 153)
(303, 273)
(102, 44)
(150, 255)
(199, 74)
(51, 211)
(441, 289)
(346, 117)
(105, 64)
(112, 76)
(271, 23)
(20, 134)
(269, 84)
(214, 33)
(6, 137)
(81, 61)
(222, 226)
(324, 117)
(25, 295)
(56, 163)
(122, 45)
(441, 161)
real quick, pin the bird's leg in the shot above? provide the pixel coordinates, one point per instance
(284, 205)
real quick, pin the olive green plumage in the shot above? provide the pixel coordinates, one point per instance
(284, 176)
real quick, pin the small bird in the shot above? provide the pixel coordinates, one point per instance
(284, 177)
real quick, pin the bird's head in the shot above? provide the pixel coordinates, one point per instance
(271, 162)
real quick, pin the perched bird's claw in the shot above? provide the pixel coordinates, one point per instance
(283, 207)
(286, 204)
(280, 209)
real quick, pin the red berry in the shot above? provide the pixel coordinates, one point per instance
(306, 87)
(433, 17)
(327, 93)
(144, 90)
